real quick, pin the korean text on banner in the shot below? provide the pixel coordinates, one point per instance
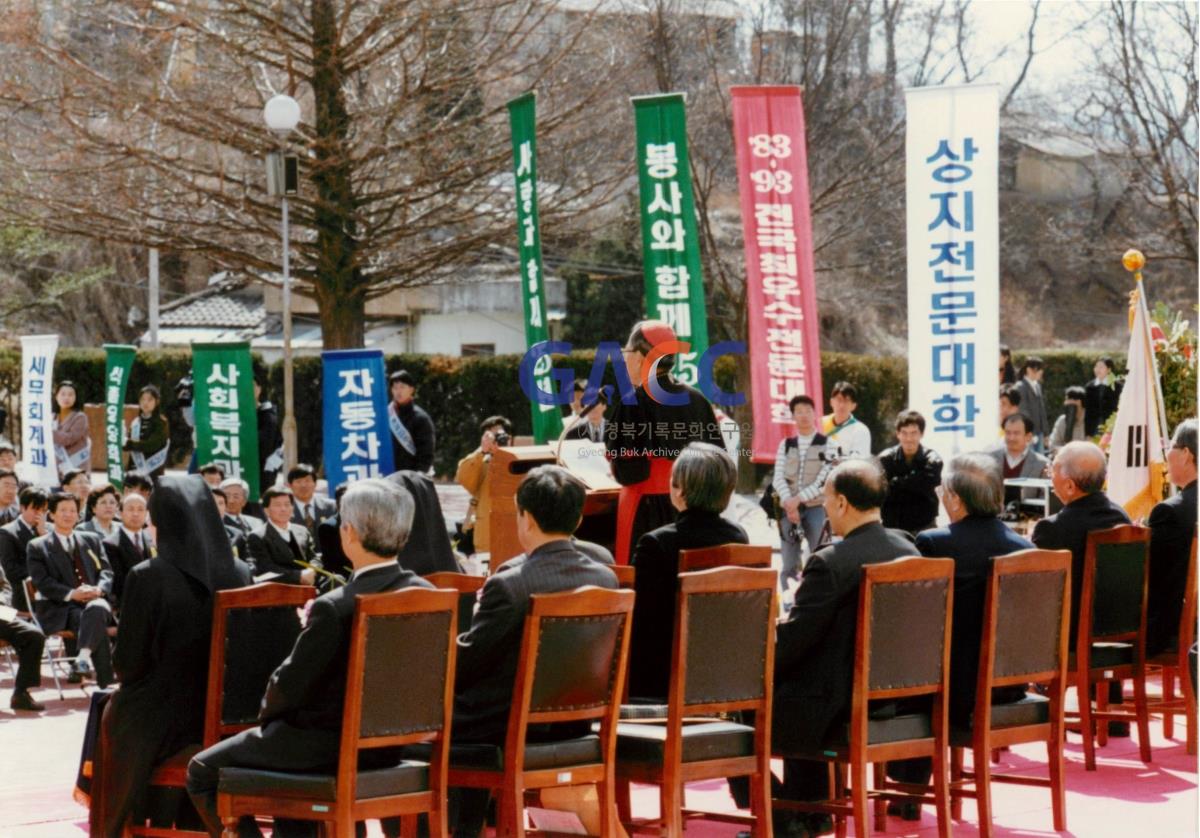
(547, 421)
(781, 297)
(37, 416)
(952, 153)
(118, 361)
(226, 419)
(357, 442)
(670, 243)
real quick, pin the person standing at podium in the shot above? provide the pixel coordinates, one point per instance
(642, 440)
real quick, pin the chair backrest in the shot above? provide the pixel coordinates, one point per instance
(30, 596)
(902, 646)
(1187, 617)
(724, 555)
(724, 649)
(254, 630)
(626, 575)
(1026, 619)
(408, 634)
(468, 589)
(1112, 605)
(572, 663)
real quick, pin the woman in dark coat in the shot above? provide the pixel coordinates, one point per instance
(428, 547)
(162, 649)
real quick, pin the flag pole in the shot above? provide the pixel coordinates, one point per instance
(1134, 261)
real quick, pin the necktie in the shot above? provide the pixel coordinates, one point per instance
(308, 518)
(294, 546)
(80, 568)
(139, 546)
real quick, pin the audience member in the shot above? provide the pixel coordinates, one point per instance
(914, 472)
(472, 475)
(1033, 401)
(102, 511)
(72, 437)
(1172, 527)
(802, 463)
(329, 539)
(270, 440)
(428, 547)
(413, 434)
(79, 484)
(277, 546)
(15, 537)
(162, 649)
(130, 545)
(236, 539)
(300, 721)
(308, 509)
(237, 492)
(213, 474)
(149, 440)
(851, 437)
(702, 481)
(1008, 373)
(139, 482)
(74, 581)
(814, 653)
(8, 456)
(549, 507)
(28, 642)
(1069, 427)
(1101, 396)
(1016, 456)
(10, 487)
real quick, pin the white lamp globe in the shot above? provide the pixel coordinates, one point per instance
(281, 113)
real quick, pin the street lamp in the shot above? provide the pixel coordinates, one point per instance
(282, 115)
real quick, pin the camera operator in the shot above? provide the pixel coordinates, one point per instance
(472, 475)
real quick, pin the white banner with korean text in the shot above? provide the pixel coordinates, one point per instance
(952, 152)
(37, 416)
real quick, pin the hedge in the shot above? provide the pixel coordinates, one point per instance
(459, 392)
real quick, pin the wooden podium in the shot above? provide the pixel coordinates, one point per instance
(505, 473)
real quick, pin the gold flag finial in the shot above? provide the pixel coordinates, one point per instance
(1134, 261)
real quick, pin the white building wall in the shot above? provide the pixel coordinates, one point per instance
(445, 334)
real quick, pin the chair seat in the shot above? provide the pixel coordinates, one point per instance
(584, 750)
(173, 770)
(704, 741)
(896, 729)
(405, 778)
(1107, 655)
(1033, 709)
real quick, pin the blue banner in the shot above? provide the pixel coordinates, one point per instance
(355, 426)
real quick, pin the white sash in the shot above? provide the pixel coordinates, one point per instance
(399, 431)
(143, 463)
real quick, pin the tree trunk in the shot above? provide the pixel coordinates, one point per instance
(342, 317)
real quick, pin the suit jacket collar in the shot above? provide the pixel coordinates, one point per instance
(559, 545)
(1095, 500)
(869, 528)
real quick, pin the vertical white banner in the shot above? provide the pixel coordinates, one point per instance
(37, 417)
(952, 154)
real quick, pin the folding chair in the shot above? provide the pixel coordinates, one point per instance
(62, 659)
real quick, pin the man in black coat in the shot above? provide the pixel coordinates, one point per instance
(914, 472)
(549, 508)
(814, 651)
(15, 538)
(1172, 528)
(300, 720)
(412, 432)
(702, 480)
(28, 642)
(276, 547)
(74, 583)
(130, 545)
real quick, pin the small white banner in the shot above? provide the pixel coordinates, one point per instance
(37, 415)
(952, 168)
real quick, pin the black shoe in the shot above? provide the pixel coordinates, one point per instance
(80, 669)
(906, 810)
(1118, 730)
(22, 700)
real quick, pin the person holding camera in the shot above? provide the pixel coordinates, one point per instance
(472, 475)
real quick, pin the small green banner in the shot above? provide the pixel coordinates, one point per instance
(118, 361)
(670, 242)
(226, 419)
(547, 420)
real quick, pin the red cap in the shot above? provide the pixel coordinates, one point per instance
(656, 332)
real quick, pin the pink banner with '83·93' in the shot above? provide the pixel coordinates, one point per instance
(772, 163)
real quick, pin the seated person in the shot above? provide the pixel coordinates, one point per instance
(300, 721)
(138, 483)
(15, 537)
(279, 544)
(212, 473)
(1016, 456)
(549, 508)
(72, 575)
(702, 480)
(309, 509)
(130, 545)
(237, 492)
(1172, 528)
(27, 641)
(236, 539)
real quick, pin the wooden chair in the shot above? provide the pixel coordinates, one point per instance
(724, 555)
(722, 662)
(254, 629)
(902, 651)
(1110, 641)
(1026, 621)
(571, 668)
(626, 574)
(468, 588)
(1173, 663)
(62, 659)
(409, 633)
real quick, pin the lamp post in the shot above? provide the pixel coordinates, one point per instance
(282, 115)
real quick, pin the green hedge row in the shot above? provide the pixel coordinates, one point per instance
(458, 393)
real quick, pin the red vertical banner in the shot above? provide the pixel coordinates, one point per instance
(772, 163)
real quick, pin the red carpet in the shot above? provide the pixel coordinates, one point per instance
(39, 756)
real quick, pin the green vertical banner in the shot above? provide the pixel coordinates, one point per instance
(118, 361)
(547, 420)
(226, 420)
(670, 242)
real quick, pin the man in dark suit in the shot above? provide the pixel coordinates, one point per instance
(814, 649)
(28, 642)
(130, 545)
(74, 583)
(237, 540)
(702, 480)
(549, 508)
(279, 544)
(15, 538)
(237, 492)
(301, 715)
(1172, 528)
(308, 509)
